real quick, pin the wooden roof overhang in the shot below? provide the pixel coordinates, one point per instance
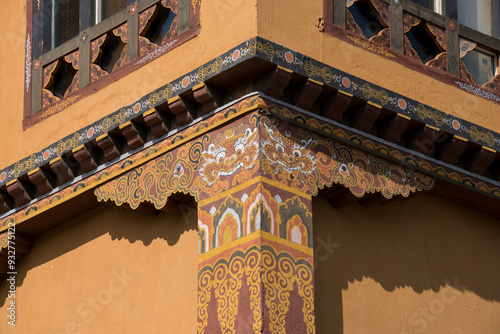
(59, 182)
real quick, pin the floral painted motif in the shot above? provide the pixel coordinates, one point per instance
(466, 46)
(439, 33)
(28, 63)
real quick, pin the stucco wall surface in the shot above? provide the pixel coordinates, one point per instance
(295, 24)
(223, 25)
(108, 271)
(421, 265)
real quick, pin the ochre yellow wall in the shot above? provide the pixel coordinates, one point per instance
(109, 271)
(224, 24)
(421, 265)
(293, 24)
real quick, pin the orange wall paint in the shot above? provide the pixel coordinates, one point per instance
(223, 26)
(291, 23)
(391, 261)
(421, 265)
(12, 60)
(109, 271)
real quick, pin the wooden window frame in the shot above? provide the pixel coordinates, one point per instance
(188, 27)
(335, 18)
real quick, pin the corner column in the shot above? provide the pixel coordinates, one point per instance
(253, 169)
(256, 260)
(255, 251)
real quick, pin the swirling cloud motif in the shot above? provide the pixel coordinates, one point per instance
(231, 154)
(281, 149)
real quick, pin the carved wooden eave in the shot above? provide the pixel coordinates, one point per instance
(354, 141)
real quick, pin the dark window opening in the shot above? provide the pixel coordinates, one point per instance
(62, 80)
(422, 43)
(366, 18)
(111, 53)
(160, 25)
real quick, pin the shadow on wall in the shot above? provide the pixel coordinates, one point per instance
(123, 224)
(402, 263)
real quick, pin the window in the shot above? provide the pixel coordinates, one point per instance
(480, 64)
(480, 15)
(435, 5)
(62, 24)
(475, 14)
(107, 8)
(423, 44)
(425, 3)
(366, 18)
(72, 44)
(63, 20)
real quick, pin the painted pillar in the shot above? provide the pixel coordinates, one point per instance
(257, 275)
(257, 178)
(255, 233)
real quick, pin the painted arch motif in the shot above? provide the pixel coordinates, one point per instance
(256, 209)
(227, 222)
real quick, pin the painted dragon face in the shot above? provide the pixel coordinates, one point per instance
(240, 148)
(282, 149)
(237, 149)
